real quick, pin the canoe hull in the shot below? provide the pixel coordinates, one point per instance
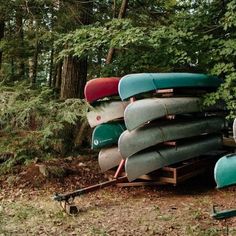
(106, 112)
(101, 87)
(134, 84)
(106, 135)
(136, 140)
(225, 171)
(142, 111)
(109, 158)
(148, 161)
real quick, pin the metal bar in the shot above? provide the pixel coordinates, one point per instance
(132, 99)
(67, 196)
(122, 162)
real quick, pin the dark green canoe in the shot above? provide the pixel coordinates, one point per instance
(131, 142)
(225, 171)
(149, 160)
(106, 135)
(134, 84)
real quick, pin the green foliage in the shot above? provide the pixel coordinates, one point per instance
(33, 122)
(194, 37)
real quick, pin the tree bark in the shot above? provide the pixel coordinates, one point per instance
(74, 75)
(121, 15)
(57, 77)
(50, 81)
(2, 27)
(74, 72)
(33, 65)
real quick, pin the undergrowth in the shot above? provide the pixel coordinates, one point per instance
(34, 125)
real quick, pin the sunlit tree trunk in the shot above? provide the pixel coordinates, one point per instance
(33, 61)
(50, 80)
(20, 45)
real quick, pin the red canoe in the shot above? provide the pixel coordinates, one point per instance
(101, 87)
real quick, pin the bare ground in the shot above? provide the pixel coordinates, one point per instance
(27, 208)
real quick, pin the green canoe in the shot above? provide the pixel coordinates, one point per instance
(149, 160)
(134, 84)
(131, 142)
(142, 111)
(225, 171)
(106, 135)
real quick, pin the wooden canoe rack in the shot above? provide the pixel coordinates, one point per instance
(177, 173)
(229, 142)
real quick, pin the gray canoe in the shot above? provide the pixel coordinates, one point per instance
(131, 142)
(105, 112)
(147, 161)
(109, 158)
(142, 111)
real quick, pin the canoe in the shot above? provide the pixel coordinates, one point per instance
(142, 111)
(131, 142)
(109, 158)
(234, 129)
(134, 84)
(106, 135)
(225, 171)
(100, 88)
(149, 160)
(105, 112)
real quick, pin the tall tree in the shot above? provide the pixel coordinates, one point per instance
(74, 73)
(20, 43)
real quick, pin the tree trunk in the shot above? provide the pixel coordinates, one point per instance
(20, 45)
(74, 77)
(74, 72)
(33, 65)
(57, 77)
(2, 26)
(50, 81)
(121, 15)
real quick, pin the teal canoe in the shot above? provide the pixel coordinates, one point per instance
(106, 135)
(142, 111)
(131, 142)
(225, 171)
(134, 84)
(150, 160)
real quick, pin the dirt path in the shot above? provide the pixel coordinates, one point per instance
(161, 210)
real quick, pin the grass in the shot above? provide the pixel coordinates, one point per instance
(196, 230)
(108, 212)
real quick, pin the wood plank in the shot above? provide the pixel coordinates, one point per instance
(229, 142)
(137, 184)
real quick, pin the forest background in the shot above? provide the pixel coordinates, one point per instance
(50, 48)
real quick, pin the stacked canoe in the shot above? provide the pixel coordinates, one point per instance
(154, 139)
(147, 128)
(106, 117)
(225, 168)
